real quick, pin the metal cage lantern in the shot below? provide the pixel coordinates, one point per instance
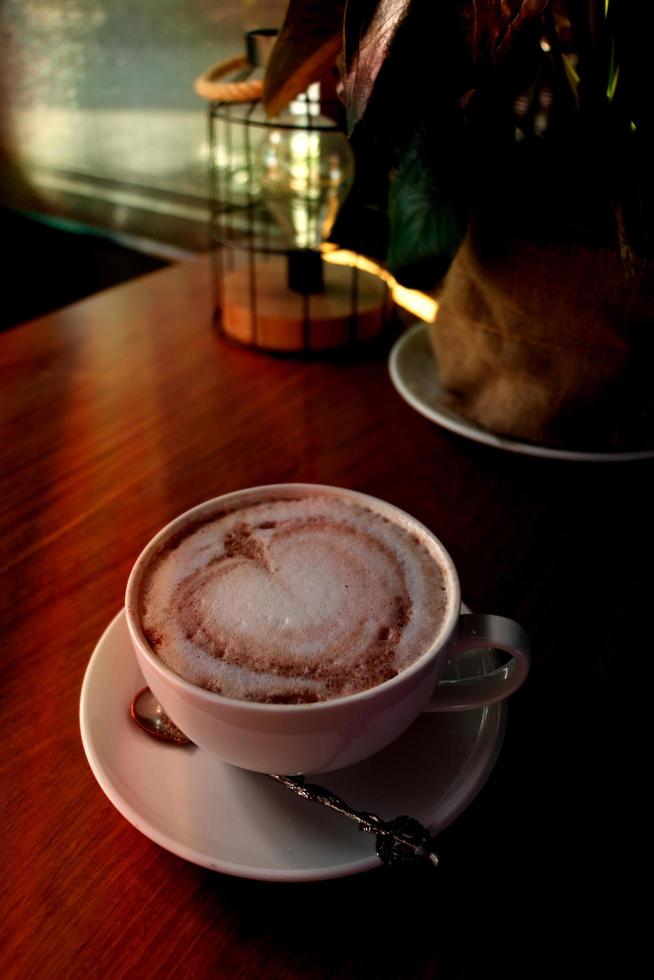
(276, 186)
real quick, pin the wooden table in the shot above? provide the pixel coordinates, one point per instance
(125, 409)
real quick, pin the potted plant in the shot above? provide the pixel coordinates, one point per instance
(504, 162)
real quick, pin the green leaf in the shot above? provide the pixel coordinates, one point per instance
(308, 46)
(427, 223)
(572, 77)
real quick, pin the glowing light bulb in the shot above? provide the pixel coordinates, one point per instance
(306, 169)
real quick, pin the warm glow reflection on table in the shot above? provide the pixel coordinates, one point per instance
(423, 306)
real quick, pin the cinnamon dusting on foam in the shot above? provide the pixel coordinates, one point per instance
(293, 600)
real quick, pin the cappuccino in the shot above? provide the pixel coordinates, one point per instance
(294, 598)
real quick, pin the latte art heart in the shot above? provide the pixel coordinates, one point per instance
(293, 600)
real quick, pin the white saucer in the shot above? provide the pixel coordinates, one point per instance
(414, 372)
(244, 824)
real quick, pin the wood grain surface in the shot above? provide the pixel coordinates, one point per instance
(125, 409)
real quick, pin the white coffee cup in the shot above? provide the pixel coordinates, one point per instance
(332, 734)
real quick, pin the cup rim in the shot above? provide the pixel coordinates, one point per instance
(212, 697)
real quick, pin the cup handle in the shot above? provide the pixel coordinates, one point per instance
(475, 632)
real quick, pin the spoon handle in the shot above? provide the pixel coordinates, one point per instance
(402, 840)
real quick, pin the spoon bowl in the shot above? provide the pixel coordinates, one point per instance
(146, 711)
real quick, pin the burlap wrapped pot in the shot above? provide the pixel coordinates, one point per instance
(553, 345)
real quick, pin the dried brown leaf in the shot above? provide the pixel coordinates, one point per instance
(370, 28)
(308, 46)
(492, 25)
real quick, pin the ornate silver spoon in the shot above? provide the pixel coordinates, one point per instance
(402, 840)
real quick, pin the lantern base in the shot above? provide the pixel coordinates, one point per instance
(259, 310)
(305, 271)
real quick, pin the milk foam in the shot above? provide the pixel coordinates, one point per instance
(293, 600)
